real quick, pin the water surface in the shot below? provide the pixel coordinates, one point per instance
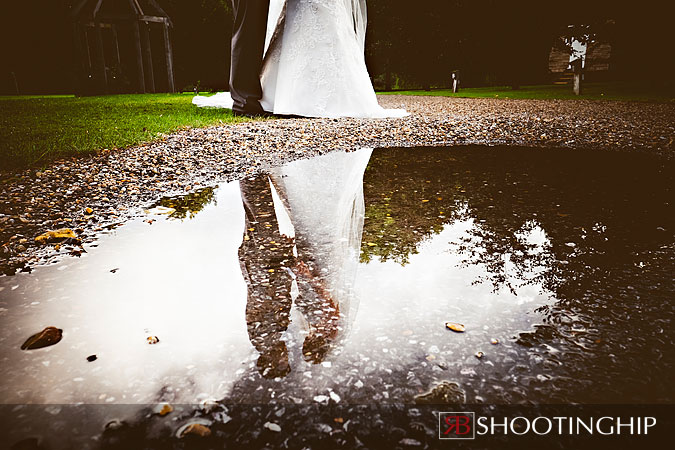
(331, 279)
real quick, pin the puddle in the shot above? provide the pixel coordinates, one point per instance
(331, 279)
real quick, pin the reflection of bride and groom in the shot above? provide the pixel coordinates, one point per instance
(303, 229)
(301, 247)
(299, 57)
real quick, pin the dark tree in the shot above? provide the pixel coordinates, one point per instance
(409, 44)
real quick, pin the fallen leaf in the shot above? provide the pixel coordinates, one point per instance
(163, 409)
(56, 235)
(456, 327)
(446, 392)
(160, 211)
(45, 338)
(195, 429)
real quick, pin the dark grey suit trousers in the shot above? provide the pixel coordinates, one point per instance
(248, 46)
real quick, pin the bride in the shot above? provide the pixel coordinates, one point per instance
(314, 62)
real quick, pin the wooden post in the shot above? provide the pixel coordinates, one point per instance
(455, 81)
(78, 8)
(100, 58)
(97, 8)
(88, 46)
(577, 84)
(577, 69)
(147, 54)
(118, 60)
(138, 8)
(169, 57)
(139, 58)
(79, 62)
(161, 11)
(16, 83)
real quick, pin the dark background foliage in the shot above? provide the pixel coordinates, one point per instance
(410, 44)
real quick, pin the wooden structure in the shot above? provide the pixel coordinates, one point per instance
(598, 57)
(596, 64)
(115, 40)
(558, 60)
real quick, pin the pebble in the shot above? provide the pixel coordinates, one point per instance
(410, 443)
(324, 428)
(114, 424)
(272, 427)
(322, 399)
(334, 397)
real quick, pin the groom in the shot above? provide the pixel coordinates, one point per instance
(248, 46)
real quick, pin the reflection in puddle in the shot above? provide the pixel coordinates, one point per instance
(300, 248)
(330, 279)
(187, 206)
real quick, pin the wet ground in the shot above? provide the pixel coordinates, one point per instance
(114, 184)
(327, 283)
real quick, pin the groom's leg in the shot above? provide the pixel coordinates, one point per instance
(248, 45)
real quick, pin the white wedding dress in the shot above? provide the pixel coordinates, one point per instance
(314, 62)
(319, 203)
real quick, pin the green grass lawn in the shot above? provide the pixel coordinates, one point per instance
(37, 129)
(591, 91)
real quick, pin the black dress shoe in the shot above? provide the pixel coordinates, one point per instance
(252, 114)
(290, 116)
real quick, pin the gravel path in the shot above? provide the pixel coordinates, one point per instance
(92, 194)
